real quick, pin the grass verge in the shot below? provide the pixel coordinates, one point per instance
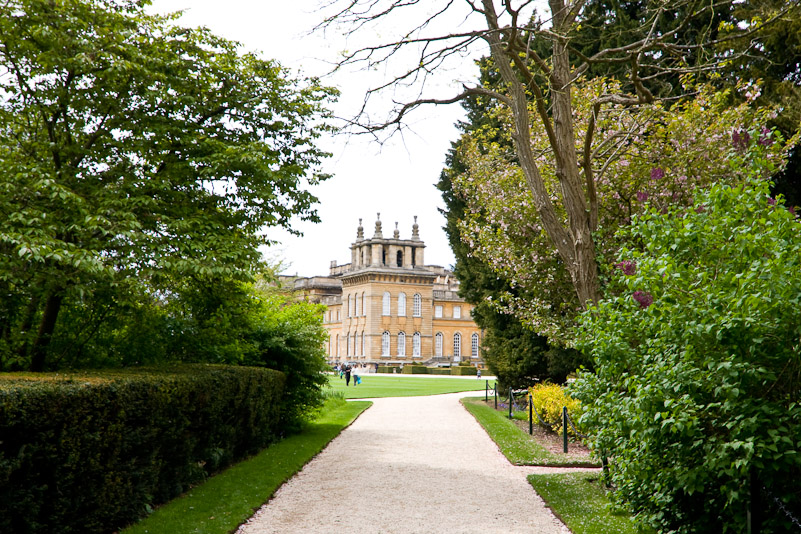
(518, 447)
(226, 500)
(374, 386)
(580, 501)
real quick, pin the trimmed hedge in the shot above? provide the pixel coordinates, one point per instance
(439, 371)
(93, 452)
(388, 369)
(463, 370)
(413, 369)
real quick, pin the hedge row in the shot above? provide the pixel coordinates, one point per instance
(422, 370)
(90, 453)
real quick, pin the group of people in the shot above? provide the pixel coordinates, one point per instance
(347, 370)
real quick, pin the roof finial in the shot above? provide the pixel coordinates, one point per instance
(360, 232)
(415, 230)
(396, 235)
(378, 227)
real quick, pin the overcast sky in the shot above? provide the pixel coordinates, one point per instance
(396, 179)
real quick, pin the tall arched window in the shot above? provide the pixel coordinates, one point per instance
(401, 344)
(438, 344)
(358, 306)
(418, 305)
(364, 305)
(457, 345)
(385, 344)
(363, 343)
(474, 345)
(402, 305)
(399, 258)
(416, 344)
(347, 345)
(349, 304)
(337, 346)
(385, 304)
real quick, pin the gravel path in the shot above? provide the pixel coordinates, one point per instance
(409, 465)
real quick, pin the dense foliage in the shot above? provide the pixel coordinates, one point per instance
(696, 349)
(136, 157)
(90, 453)
(650, 155)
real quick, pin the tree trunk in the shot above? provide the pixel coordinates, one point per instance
(46, 328)
(574, 244)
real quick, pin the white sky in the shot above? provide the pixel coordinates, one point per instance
(397, 179)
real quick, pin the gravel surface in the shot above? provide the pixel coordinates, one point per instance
(409, 465)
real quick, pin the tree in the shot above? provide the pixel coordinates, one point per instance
(133, 149)
(646, 156)
(697, 370)
(545, 83)
(514, 352)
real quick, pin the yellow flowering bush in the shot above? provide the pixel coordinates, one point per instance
(548, 400)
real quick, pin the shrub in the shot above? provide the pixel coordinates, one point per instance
(548, 400)
(439, 371)
(92, 452)
(414, 369)
(463, 370)
(697, 363)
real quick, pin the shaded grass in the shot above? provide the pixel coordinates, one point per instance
(581, 502)
(518, 447)
(376, 386)
(226, 500)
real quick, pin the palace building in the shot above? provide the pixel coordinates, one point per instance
(387, 306)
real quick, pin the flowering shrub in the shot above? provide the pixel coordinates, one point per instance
(702, 384)
(649, 156)
(548, 400)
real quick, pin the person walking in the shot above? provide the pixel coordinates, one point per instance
(356, 375)
(347, 375)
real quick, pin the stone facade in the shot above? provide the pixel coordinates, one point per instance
(386, 306)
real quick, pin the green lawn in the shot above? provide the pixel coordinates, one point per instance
(226, 500)
(518, 447)
(580, 501)
(375, 386)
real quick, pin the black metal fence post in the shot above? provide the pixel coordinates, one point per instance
(605, 466)
(511, 402)
(496, 395)
(486, 391)
(530, 415)
(564, 428)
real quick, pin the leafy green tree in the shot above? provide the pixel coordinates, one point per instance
(133, 149)
(696, 350)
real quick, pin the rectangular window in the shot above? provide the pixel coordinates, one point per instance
(457, 312)
(438, 312)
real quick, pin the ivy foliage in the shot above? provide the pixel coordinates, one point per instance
(697, 369)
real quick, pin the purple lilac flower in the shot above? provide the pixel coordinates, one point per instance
(740, 139)
(764, 137)
(657, 173)
(700, 209)
(628, 267)
(642, 196)
(791, 209)
(771, 201)
(643, 299)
